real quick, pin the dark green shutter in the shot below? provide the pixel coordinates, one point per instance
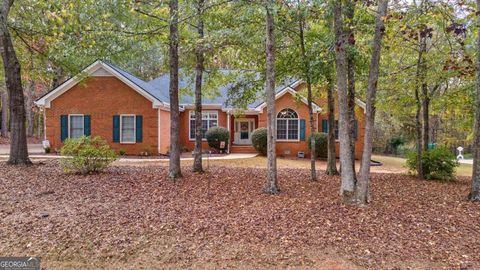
(138, 128)
(336, 131)
(302, 130)
(63, 127)
(355, 129)
(325, 126)
(87, 125)
(116, 129)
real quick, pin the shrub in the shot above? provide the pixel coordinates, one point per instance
(395, 142)
(437, 164)
(321, 144)
(259, 140)
(122, 152)
(216, 135)
(86, 155)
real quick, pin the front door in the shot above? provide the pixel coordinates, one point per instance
(243, 131)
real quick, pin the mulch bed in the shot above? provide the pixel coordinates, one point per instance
(135, 213)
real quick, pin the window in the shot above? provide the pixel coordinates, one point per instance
(76, 129)
(209, 120)
(127, 129)
(287, 125)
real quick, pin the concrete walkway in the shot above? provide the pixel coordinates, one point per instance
(36, 152)
(32, 149)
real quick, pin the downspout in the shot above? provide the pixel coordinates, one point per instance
(159, 140)
(229, 132)
(44, 112)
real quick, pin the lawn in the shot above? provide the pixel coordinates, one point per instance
(133, 217)
(390, 164)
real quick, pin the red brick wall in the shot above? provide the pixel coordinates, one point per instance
(164, 131)
(185, 141)
(359, 115)
(289, 148)
(288, 101)
(101, 98)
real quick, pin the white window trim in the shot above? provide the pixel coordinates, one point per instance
(70, 121)
(134, 128)
(289, 119)
(190, 126)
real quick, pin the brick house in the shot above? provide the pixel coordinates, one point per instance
(134, 116)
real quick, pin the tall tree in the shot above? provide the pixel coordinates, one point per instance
(362, 189)
(199, 67)
(271, 185)
(421, 83)
(331, 155)
(29, 106)
(174, 164)
(475, 190)
(350, 45)
(308, 76)
(347, 173)
(4, 112)
(18, 137)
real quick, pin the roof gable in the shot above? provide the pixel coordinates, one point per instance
(289, 89)
(100, 69)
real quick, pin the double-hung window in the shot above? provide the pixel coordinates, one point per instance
(127, 128)
(77, 127)
(287, 125)
(209, 120)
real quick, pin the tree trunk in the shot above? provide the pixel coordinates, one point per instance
(271, 185)
(362, 192)
(18, 138)
(350, 36)
(307, 75)
(4, 120)
(313, 152)
(174, 164)
(58, 78)
(420, 82)
(426, 118)
(29, 108)
(347, 173)
(332, 155)
(197, 163)
(475, 190)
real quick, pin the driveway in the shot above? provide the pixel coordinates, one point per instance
(466, 161)
(32, 149)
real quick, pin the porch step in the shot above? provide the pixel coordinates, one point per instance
(242, 149)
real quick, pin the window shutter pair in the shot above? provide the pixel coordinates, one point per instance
(138, 128)
(64, 126)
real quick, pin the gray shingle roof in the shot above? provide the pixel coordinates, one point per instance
(159, 88)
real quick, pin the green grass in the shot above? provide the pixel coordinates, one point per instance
(390, 164)
(398, 163)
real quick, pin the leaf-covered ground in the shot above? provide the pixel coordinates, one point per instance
(133, 217)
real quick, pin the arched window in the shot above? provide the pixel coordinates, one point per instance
(287, 125)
